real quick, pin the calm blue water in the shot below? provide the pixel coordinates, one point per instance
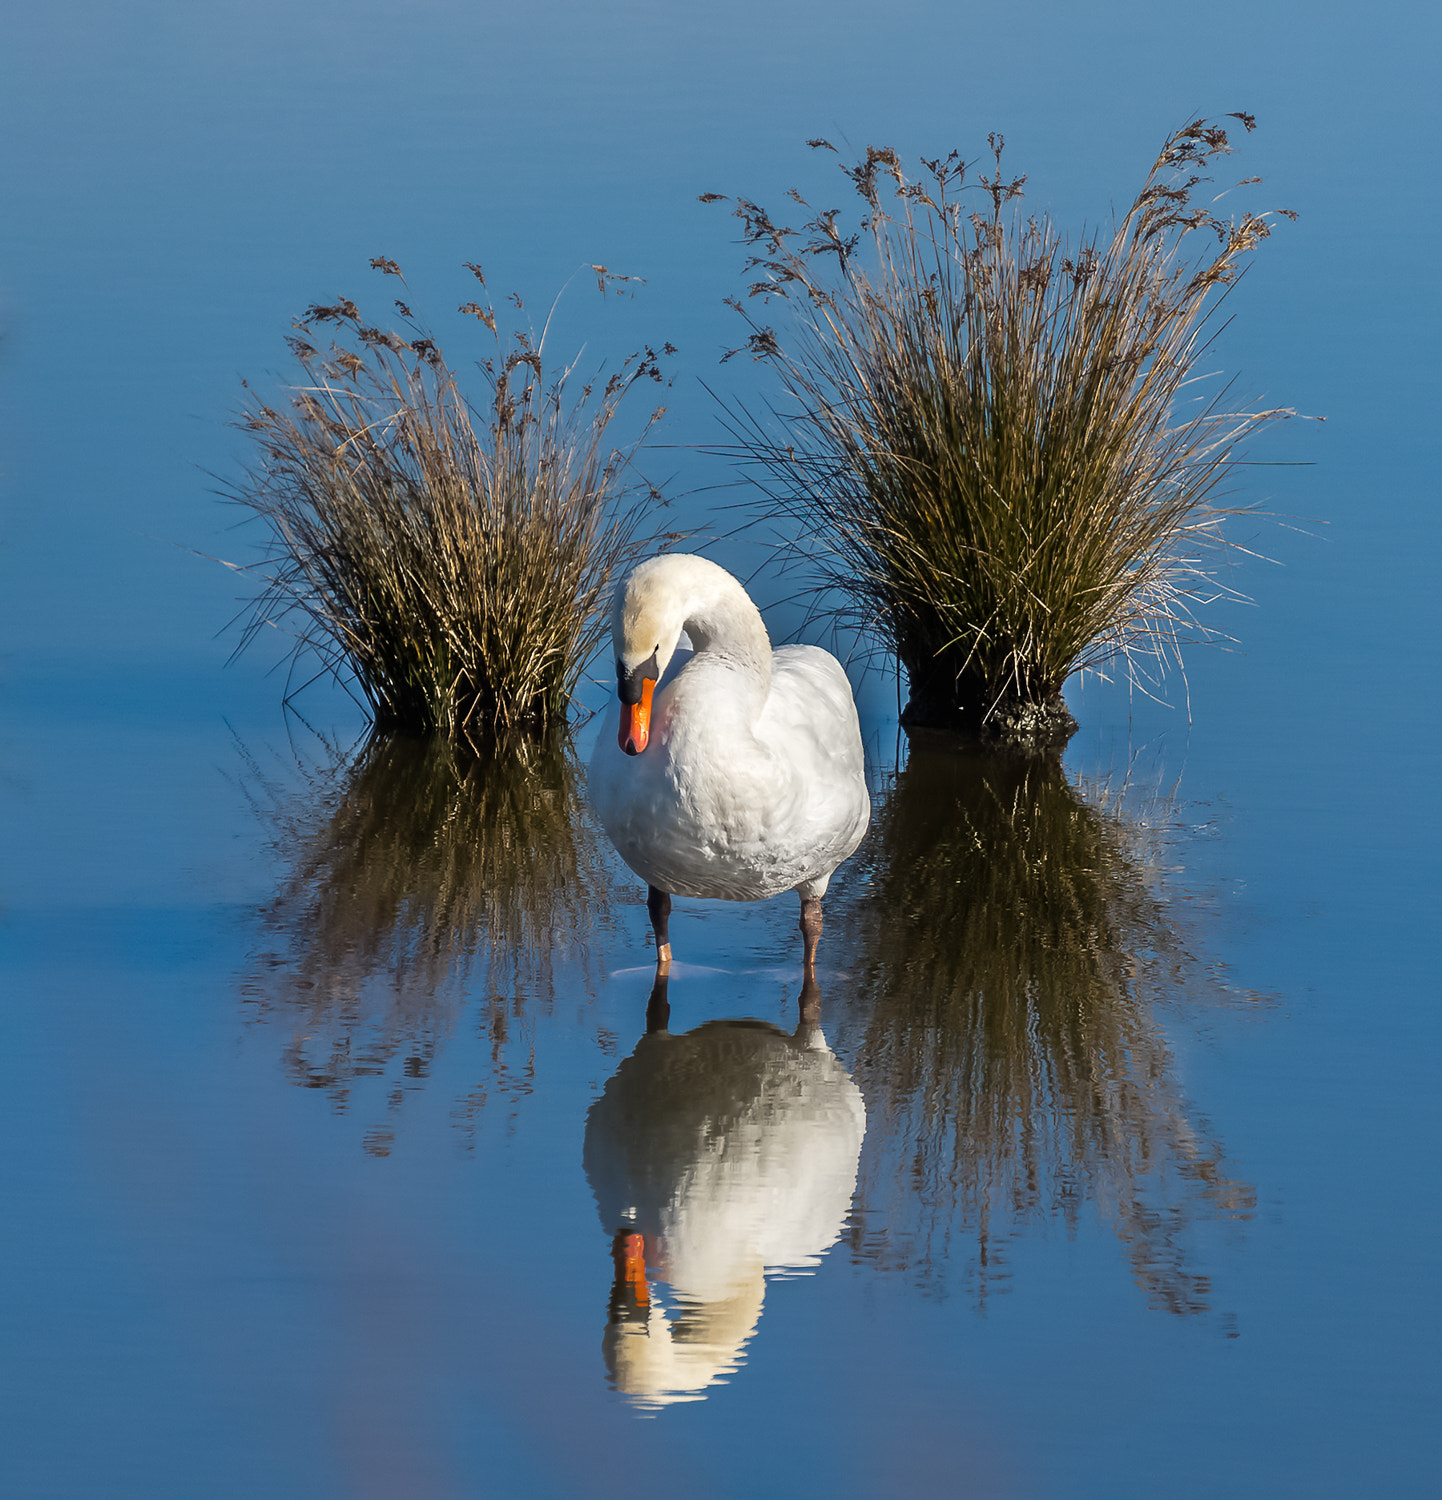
(1111, 1169)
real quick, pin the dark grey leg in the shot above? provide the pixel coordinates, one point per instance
(810, 929)
(658, 904)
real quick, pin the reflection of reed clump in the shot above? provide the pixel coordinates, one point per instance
(1011, 947)
(414, 866)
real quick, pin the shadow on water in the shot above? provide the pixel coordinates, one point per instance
(1012, 943)
(717, 1158)
(415, 875)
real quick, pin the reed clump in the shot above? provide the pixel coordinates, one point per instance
(455, 559)
(985, 438)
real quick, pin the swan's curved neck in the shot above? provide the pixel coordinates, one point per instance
(678, 591)
(725, 621)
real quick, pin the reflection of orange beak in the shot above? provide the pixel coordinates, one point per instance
(630, 1255)
(636, 721)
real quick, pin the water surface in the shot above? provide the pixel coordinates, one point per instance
(1101, 1160)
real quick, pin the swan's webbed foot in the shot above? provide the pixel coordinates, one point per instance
(810, 930)
(658, 905)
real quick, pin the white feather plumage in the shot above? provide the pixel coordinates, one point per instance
(753, 780)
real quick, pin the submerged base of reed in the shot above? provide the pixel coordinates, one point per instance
(1025, 723)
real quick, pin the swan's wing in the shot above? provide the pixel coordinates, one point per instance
(810, 719)
(809, 691)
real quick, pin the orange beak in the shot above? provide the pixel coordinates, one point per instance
(636, 721)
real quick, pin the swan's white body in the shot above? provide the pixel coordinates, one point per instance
(751, 779)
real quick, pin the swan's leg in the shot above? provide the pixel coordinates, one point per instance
(810, 929)
(658, 904)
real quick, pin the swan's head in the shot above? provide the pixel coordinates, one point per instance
(646, 623)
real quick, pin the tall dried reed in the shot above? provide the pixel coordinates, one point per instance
(456, 560)
(985, 445)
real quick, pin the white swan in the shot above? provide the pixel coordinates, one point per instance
(741, 775)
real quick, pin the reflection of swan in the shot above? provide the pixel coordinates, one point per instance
(715, 1157)
(745, 776)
